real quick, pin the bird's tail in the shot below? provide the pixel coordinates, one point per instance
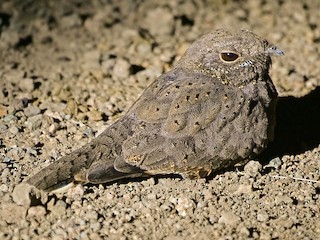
(63, 171)
(74, 166)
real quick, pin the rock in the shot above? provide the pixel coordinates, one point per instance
(244, 189)
(71, 108)
(3, 127)
(183, 205)
(262, 217)
(244, 231)
(274, 163)
(31, 111)
(121, 69)
(26, 84)
(3, 111)
(13, 130)
(53, 128)
(59, 208)
(3, 188)
(91, 60)
(229, 218)
(34, 122)
(21, 194)
(8, 118)
(94, 115)
(252, 168)
(37, 211)
(283, 199)
(92, 215)
(159, 21)
(24, 193)
(76, 192)
(70, 21)
(12, 213)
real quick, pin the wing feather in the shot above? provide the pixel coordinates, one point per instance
(169, 118)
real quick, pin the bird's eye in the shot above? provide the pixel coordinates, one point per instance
(229, 56)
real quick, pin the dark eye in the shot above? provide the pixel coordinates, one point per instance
(228, 56)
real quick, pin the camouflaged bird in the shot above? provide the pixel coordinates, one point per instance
(216, 107)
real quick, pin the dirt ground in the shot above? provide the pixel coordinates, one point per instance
(68, 69)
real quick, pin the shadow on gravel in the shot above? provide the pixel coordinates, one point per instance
(298, 126)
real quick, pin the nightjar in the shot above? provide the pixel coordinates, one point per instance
(215, 108)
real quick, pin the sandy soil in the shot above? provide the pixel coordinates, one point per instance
(68, 69)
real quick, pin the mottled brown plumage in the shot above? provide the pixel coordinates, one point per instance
(216, 107)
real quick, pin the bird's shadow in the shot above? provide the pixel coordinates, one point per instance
(298, 126)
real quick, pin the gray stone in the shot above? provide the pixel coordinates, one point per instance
(252, 168)
(34, 122)
(229, 218)
(31, 111)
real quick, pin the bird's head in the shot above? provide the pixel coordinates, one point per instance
(233, 57)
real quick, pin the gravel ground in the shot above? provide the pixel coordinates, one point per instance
(69, 69)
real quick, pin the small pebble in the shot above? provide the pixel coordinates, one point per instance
(183, 204)
(14, 130)
(262, 217)
(26, 84)
(53, 128)
(252, 168)
(34, 122)
(244, 189)
(3, 127)
(59, 208)
(159, 21)
(9, 118)
(274, 163)
(244, 231)
(76, 192)
(31, 111)
(282, 199)
(121, 69)
(3, 111)
(4, 188)
(71, 108)
(36, 211)
(12, 213)
(21, 194)
(94, 115)
(229, 218)
(70, 21)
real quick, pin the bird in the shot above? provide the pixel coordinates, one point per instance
(216, 107)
